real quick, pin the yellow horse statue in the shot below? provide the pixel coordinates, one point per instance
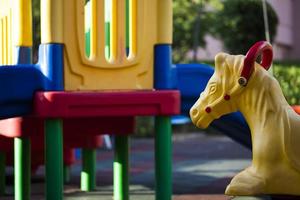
(239, 83)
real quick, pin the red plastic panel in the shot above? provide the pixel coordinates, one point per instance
(91, 141)
(99, 125)
(106, 103)
(21, 126)
(34, 127)
(6, 144)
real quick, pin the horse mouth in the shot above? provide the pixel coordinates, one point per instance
(200, 119)
(203, 124)
(203, 121)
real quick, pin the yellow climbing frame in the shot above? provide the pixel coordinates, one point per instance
(150, 23)
(18, 13)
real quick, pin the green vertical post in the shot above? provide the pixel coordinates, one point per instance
(67, 174)
(88, 174)
(22, 168)
(163, 158)
(54, 159)
(121, 183)
(2, 173)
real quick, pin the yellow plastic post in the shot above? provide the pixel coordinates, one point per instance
(22, 22)
(164, 21)
(52, 21)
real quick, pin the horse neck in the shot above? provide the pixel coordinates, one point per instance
(262, 103)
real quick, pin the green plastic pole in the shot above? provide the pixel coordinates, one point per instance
(88, 174)
(22, 168)
(67, 174)
(54, 159)
(121, 183)
(163, 158)
(2, 173)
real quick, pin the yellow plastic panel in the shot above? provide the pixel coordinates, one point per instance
(6, 54)
(165, 21)
(22, 22)
(52, 21)
(120, 71)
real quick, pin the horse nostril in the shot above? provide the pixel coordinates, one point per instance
(194, 112)
(208, 109)
(227, 97)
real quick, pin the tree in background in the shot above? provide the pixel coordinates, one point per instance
(192, 20)
(240, 24)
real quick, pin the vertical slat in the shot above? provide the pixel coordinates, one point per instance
(93, 34)
(1, 42)
(100, 30)
(77, 19)
(9, 39)
(113, 31)
(5, 40)
(23, 22)
(97, 33)
(164, 24)
(52, 20)
(132, 28)
(121, 27)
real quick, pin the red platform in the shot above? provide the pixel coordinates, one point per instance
(87, 114)
(106, 103)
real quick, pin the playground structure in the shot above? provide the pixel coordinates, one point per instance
(67, 87)
(247, 86)
(83, 87)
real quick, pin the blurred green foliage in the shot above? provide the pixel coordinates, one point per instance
(240, 24)
(288, 76)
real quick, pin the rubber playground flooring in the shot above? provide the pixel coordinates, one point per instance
(202, 167)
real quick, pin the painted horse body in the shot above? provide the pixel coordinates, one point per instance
(275, 127)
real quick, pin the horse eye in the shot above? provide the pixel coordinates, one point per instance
(212, 88)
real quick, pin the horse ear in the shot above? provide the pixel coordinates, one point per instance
(219, 60)
(262, 48)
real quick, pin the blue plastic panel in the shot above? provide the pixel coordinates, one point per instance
(22, 55)
(191, 81)
(17, 86)
(164, 70)
(18, 83)
(51, 65)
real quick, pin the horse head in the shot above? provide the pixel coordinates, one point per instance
(230, 79)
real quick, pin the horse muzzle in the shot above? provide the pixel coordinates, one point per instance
(200, 118)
